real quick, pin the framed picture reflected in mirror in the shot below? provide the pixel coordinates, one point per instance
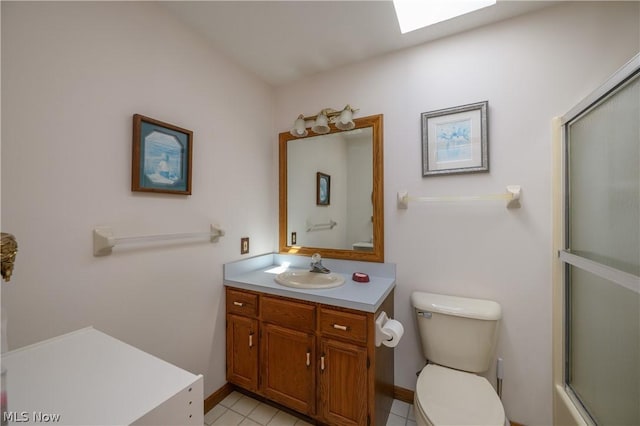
(323, 189)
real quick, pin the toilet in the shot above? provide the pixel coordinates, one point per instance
(458, 338)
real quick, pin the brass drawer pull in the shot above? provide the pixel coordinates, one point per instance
(340, 327)
(322, 363)
(308, 359)
(238, 304)
(251, 340)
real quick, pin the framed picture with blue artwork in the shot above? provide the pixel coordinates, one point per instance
(454, 140)
(162, 156)
(323, 189)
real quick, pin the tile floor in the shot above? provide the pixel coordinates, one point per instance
(241, 410)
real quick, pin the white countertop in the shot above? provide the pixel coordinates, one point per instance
(87, 377)
(258, 274)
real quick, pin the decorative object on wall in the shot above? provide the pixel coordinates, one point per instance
(323, 189)
(319, 124)
(512, 197)
(162, 156)
(9, 249)
(454, 140)
(104, 241)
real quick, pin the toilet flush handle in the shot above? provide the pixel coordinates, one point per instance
(424, 314)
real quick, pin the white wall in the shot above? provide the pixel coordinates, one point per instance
(73, 74)
(530, 69)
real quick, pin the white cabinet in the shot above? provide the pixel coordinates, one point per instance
(90, 378)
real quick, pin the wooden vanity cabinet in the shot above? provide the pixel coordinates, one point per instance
(344, 364)
(317, 359)
(242, 351)
(287, 355)
(242, 339)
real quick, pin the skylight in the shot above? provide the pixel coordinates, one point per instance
(415, 14)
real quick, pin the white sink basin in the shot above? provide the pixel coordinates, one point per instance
(310, 280)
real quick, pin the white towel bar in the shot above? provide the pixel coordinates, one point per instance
(512, 196)
(319, 226)
(104, 241)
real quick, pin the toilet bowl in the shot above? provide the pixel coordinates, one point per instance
(458, 337)
(450, 397)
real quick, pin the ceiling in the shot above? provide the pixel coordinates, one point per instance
(283, 41)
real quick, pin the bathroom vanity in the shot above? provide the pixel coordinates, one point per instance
(311, 350)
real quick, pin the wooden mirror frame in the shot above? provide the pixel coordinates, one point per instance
(377, 197)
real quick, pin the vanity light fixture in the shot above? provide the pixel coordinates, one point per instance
(319, 123)
(299, 128)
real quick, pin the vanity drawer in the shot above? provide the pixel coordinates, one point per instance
(288, 313)
(242, 303)
(347, 325)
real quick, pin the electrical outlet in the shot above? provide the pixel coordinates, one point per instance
(244, 245)
(293, 238)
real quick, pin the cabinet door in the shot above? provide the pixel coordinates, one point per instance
(343, 383)
(242, 351)
(288, 367)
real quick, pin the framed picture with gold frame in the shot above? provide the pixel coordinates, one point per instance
(161, 160)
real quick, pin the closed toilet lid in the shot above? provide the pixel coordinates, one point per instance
(451, 397)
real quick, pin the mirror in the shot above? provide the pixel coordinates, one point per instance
(331, 194)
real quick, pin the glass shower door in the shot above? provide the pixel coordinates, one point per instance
(602, 256)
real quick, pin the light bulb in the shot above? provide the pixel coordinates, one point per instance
(321, 125)
(299, 129)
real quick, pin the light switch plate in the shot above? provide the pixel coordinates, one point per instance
(244, 245)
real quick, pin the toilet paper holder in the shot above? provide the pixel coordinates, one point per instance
(381, 336)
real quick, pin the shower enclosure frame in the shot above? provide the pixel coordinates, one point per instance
(567, 407)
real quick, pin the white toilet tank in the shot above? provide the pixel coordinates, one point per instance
(457, 332)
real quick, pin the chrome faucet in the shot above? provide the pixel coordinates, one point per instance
(316, 264)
